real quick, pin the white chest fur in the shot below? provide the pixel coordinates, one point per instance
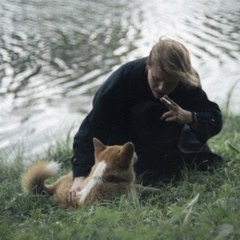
(96, 178)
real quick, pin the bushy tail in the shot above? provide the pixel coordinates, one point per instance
(33, 179)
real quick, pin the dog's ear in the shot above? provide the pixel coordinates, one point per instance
(98, 146)
(127, 154)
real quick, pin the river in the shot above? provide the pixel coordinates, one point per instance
(55, 54)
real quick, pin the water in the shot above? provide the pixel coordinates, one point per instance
(55, 54)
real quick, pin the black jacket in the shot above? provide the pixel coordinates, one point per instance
(110, 119)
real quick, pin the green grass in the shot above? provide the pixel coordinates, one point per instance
(201, 206)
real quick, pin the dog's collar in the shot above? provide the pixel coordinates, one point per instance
(113, 179)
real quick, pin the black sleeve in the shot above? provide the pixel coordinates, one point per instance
(92, 126)
(209, 116)
(98, 122)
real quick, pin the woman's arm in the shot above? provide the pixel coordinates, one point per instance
(104, 116)
(204, 116)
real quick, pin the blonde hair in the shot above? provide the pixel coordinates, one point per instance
(174, 59)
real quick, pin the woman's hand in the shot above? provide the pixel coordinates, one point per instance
(175, 113)
(77, 186)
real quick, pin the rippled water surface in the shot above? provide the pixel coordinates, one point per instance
(55, 54)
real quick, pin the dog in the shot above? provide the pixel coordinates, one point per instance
(111, 176)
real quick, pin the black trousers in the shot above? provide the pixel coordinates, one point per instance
(165, 148)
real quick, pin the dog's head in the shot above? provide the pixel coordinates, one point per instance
(118, 160)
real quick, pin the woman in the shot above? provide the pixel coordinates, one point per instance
(157, 103)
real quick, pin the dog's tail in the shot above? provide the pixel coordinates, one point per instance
(33, 179)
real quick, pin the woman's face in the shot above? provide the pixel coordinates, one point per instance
(160, 83)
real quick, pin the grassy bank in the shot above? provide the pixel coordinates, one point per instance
(201, 206)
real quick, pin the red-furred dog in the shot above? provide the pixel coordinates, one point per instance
(111, 176)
